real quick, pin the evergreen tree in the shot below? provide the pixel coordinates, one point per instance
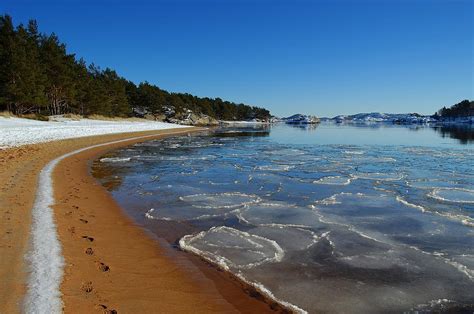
(7, 39)
(464, 108)
(22, 79)
(59, 71)
(115, 91)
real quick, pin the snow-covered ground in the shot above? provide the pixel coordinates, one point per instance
(17, 132)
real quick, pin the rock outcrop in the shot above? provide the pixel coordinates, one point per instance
(185, 117)
(301, 119)
(188, 117)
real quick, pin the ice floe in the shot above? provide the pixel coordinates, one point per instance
(334, 180)
(115, 159)
(278, 214)
(221, 200)
(232, 248)
(454, 195)
(378, 176)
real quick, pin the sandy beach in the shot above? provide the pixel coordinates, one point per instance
(111, 265)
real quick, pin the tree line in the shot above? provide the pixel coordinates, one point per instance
(38, 75)
(462, 109)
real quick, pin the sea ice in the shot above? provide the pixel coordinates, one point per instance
(455, 195)
(232, 248)
(221, 200)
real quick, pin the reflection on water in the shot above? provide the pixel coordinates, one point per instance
(465, 134)
(337, 218)
(376, 134)
(260, 130)
(305, 127)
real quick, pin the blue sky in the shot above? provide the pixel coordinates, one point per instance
(316, 57)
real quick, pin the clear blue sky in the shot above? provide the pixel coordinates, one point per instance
(317, 57)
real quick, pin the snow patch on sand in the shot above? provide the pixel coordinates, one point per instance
(16, 131)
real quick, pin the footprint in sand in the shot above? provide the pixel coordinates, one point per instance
(83, 220)
(103, 267)
(106, 310)
(90, 239)
(89, 251)
(87, 287)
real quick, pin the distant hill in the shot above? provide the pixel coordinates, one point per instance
(464, 108)
(402, 118)
(39, 76)
(301, 119)
(462, 112)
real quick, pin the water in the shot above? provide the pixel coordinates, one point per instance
(336, 218)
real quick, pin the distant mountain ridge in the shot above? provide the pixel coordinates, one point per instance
(383, 117)
(462, 112)
(301, 119)
(397, 118)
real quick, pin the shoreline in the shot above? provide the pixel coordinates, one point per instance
(223, 278)
(118, 273)
(241, 295)
(20, 167)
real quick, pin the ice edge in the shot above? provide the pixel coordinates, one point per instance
(222, 264)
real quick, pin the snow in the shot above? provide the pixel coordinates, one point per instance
(403, 118)
(45, 259)
(399, 118)
(301, 119)
(16, 131)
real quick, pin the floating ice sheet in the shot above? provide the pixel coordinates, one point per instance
(455, 195)
(278, 214)
(232, 248)
(222, 200)
(379, 176)
(334, 180)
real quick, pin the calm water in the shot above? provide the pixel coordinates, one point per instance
(336, 218)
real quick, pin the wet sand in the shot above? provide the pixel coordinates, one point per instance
(110, 263)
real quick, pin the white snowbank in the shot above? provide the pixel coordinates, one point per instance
(17, 132)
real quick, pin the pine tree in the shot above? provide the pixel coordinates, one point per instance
(7, 48)
(59, 69)
(22, 75)
(115, 90)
